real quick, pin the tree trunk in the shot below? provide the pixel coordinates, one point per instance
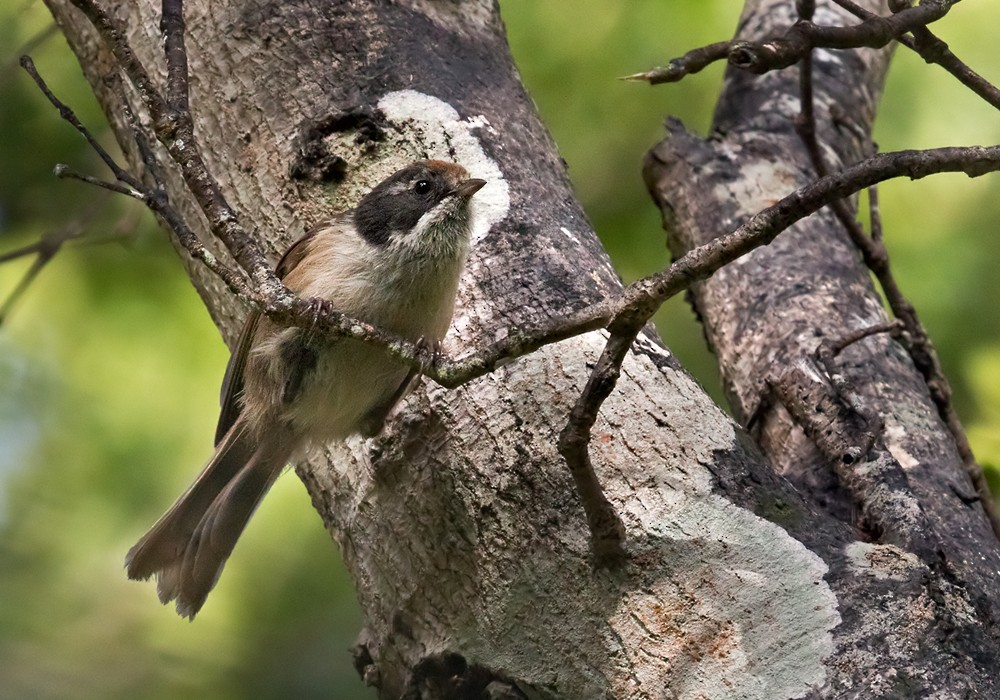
(460, 525)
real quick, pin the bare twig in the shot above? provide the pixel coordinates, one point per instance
(805, 122)
(933, 50)
(828, 351)
(70, 116)
(156, 200)
(45, 249)
(172, 26)
(175, 130)
(798, 42)
(23, 284)
(63, 171)
(691, 62)
(700, 263)
(876, 31)
(874, 214)
(607, 533)
(144, 146)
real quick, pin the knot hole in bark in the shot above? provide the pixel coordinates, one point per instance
(314, 158)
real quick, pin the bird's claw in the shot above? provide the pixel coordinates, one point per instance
(318, 308)
(426, 345)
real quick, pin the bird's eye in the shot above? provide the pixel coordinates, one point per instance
(422, 187)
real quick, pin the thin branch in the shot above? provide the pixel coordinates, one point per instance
(30, 249)
(805, 122)
(64, 172)
(172, 26)
(874, 215)
(828, 351)
(156, 200)
(798, 42)
(45, 248)
(22, 286)
(175, 130)
(70, 116)
(934, 50)
(114, 35)
(873, 32)
(607, 534)
(691, 62)
(144, 146)
(696, 265)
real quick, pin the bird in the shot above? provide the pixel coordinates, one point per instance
(393, 261)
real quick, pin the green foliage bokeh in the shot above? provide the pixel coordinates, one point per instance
(109, 365)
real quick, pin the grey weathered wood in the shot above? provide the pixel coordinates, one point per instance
(460, 525)
(767, 314)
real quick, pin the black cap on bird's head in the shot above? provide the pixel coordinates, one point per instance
(400, 202)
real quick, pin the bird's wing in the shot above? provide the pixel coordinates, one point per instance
(232, 382)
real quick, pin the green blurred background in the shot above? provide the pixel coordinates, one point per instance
(110, 367)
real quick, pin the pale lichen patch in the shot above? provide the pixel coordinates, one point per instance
(755, 189)
(895, 436)
(736, 584)
(432, 128)
(883, 561)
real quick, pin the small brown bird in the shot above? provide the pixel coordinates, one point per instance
(394, 262)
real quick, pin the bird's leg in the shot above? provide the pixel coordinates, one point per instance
(318, 308)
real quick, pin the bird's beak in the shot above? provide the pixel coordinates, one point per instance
(469, 187)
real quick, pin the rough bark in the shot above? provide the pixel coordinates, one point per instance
(766, 316)
(460, 525)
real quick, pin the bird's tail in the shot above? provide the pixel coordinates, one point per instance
(187, 547)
